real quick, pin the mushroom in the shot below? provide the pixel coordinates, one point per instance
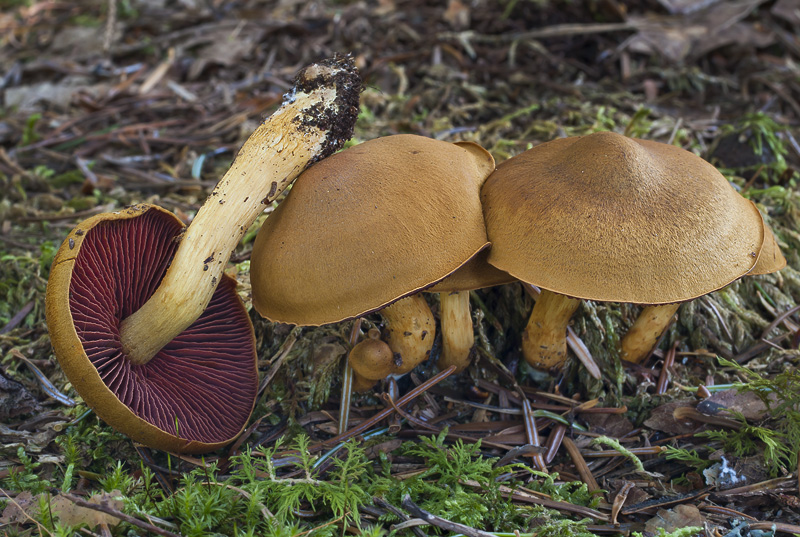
(367, 229)
(372, 360)
(142, 318)
(609, 218)
(199, 392)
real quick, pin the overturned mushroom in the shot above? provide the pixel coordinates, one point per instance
(199, 391)
(608, 218)
(142, 318)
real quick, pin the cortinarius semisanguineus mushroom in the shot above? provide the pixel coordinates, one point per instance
(609, 218)
(142, 318)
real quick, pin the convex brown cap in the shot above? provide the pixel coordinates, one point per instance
(368, 226)
(609, 218)
(197, 393)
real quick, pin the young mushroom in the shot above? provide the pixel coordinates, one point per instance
(608, 218)
(142, 318)
(372, 360)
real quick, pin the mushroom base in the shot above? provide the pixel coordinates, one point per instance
(644, 334)
(544, 342)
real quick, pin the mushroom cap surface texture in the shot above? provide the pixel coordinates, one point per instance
(372, 359)
(368, 226)
(476, 273)
(198, 392)
(610, 218)
(770, 259)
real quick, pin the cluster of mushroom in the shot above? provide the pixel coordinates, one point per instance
(369, 228)
(152, 334)
(599, 217)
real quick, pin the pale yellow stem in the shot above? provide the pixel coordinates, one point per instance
(544, 342)
(411, 331)
(644, 334)
(282, 147)
(458, 336)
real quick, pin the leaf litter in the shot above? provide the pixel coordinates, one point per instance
(111, 103)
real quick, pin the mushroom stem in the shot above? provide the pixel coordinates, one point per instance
(544, 342)
(314, 121)
(411, 330)
(644, 334)
(458, 336)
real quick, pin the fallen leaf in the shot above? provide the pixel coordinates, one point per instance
(788, 10)
(59, 95)
(662, 419)
(21, 509)
(72, 514)
(614, 425)
(325, 354)
(679, 517)
(748, 404)
(677, 37)
(15, 399)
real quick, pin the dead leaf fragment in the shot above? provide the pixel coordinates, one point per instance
(679, 517)
(60, 95)
(72, 514)
(21, 509)
(662, 418)
(748, 404)
(677, 37)
(788, 10)
(15, 399)
(614, 425)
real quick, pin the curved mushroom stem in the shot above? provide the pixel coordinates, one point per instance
(544, 342)
(458, 336)
(644, 334)
(314, 121)
(411, 330)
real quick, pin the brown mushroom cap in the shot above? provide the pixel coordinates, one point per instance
(609, 218)
(770, 259)
(368, 226)
(476, 273)
(372, 359)
(197, 393)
